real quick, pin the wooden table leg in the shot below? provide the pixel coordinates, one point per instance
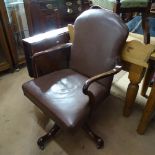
(147, 113)
(136, 74)
(149, 74)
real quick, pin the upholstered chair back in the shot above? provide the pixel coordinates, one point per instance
(98, 41)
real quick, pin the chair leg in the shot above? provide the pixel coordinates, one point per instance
(98, 140)
(147, 79)
(146, 28)
(42, 141)
(148, 112)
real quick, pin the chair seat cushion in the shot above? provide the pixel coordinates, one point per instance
(59, 95)
(109, 4)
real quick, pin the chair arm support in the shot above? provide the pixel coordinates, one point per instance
(56, 48)
(100, 76)
(51, 59)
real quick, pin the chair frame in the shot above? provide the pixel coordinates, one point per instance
(42, 141)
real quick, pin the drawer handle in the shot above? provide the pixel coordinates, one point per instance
(68, 3)
(79, 9)
(69, 11)
(49, 6)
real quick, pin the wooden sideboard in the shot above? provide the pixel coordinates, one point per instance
(43, 15)
(41, 42)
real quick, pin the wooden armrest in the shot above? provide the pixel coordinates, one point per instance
(53, 49)
(100, 76)
(41, 42)
(50, 60)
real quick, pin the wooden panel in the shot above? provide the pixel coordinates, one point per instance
(42, 42)
(44, 15)
(8, 34)
(5, 58)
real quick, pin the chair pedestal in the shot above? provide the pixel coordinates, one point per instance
(98, 140)
(42, 141)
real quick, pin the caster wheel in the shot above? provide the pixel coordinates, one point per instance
(100, 143)
(41, 144)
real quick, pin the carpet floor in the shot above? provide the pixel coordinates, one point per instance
(21, 123)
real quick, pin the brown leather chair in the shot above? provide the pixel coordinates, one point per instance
(83, 72)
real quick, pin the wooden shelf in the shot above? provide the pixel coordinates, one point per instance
(4, 65)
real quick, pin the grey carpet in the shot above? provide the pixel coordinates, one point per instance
(21, 123)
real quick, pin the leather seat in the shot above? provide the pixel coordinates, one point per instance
(63, 87)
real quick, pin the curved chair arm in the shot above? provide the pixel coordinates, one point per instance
(51, 59)
(100, 76)
(56, 48)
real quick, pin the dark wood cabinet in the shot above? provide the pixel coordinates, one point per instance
(20, 19)
(5, 57)
(41, 42)
(13, 28)
(43, 15)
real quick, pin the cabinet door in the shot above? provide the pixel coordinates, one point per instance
(16, 17)
(5, 58)
(42, 15)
